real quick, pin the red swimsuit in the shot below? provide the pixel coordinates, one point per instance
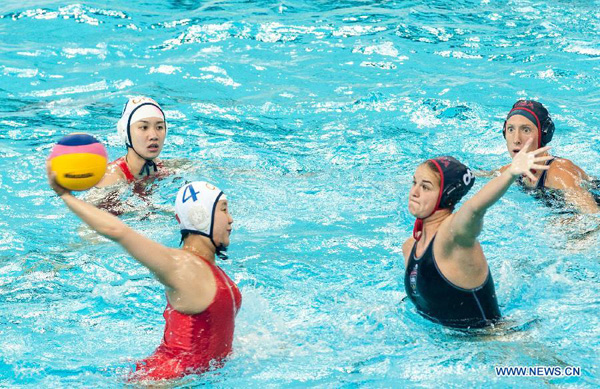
(122, 164)
(194, 343)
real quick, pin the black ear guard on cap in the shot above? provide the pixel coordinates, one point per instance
(457, 179)
(547, 131)
(453, 194)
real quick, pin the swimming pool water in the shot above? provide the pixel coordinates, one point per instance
(311, 116)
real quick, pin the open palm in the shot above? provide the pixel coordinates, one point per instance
(524, 161)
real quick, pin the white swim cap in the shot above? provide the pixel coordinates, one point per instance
(137, 108)
(195, 208)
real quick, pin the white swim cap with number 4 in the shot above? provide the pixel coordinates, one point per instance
(195, 207)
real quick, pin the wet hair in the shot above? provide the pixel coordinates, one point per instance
(429, 163)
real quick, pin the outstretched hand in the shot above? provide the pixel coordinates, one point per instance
(52, 181)
(523, 162)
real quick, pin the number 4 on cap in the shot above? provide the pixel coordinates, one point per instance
(191, 194)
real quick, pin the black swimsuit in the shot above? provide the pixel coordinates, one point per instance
(541, 182)
(439, 300)
(555, 197)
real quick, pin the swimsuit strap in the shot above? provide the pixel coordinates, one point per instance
(542, 180)
(221, 276)
(215, 269)
(122, 164)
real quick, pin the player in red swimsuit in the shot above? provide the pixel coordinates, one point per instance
(202, 301)
(143, 129)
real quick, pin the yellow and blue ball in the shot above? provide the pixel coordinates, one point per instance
(79, 161)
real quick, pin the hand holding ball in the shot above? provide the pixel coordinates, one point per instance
(79, 161)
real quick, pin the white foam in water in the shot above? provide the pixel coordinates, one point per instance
(100, 51)
(385, 49)
(21, 73)
(583, 48)
(165, 69)
(97, 86)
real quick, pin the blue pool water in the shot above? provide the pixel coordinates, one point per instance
(311, 116)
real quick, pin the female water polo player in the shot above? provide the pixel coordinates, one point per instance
(202, 301)
(529, 119)
(447, 276)
(142, 128)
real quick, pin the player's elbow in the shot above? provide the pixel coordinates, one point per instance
(115, 233)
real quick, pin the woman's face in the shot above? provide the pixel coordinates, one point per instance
(424, 192)
(148, 136)
(222, 224)
(518, 131)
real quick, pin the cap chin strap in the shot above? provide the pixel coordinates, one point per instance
(418, 229)
(419, 223)
(148, 164)
(219, 250)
